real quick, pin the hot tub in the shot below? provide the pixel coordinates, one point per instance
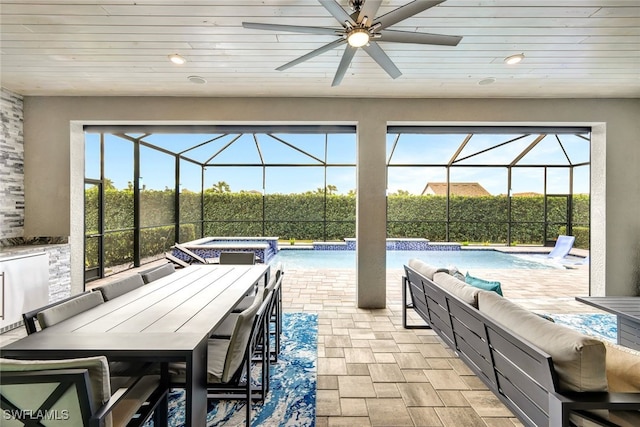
(264, 248)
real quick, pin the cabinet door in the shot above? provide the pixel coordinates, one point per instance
(1, 295)
(25, 286)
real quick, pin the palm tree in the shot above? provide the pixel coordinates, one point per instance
(221, 187)
(108, 184)
(329, 189)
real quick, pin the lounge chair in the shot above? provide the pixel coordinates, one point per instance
(179, 263)
(584, 261)
(575, 264)
(562, 247)
(195, 258)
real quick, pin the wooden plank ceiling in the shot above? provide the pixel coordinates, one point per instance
(572, 48)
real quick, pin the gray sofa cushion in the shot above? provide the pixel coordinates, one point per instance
(423, 268)
(60, 312)
(578, 359)
(468, 294)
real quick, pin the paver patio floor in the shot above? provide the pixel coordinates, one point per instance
(372, 372)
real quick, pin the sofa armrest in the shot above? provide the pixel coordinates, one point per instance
(407, 292)
(563, 405)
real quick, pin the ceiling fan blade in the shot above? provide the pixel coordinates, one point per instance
(337, 11)
(369, 9)
(378, 55)
(347, 56)
(419, 38)
(406, 11)
(291, 28)
(312, 54)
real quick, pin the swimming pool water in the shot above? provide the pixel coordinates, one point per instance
(465, 259)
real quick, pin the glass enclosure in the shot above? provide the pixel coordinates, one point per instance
(148, 187)
(488, 185)
(162, 185)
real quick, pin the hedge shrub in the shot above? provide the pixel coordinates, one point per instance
(311, 216)
(581, 234)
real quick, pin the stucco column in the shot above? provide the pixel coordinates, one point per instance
(598, 245)
(371, 215)
(76, 206)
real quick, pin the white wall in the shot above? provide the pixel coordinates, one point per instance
(54, 170)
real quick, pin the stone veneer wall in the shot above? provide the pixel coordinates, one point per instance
(59, 271)
(11, 165)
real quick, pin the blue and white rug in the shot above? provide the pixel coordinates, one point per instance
(600, 325)
(291, 400)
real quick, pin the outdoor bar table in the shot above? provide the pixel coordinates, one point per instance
(167, 320)
(627, 311)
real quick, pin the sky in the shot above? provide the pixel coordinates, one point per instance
(439, 149)
(158, 169)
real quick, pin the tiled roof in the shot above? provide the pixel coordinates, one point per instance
(526, 194)
(472, 189)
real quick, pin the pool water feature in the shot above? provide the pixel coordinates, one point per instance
(264, 248)
(393, 244)
(463, 259)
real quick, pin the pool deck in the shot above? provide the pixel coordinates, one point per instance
(372, 372)
(529, 250)
(523, 249)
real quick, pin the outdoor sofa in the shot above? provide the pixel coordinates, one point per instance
(545, 373)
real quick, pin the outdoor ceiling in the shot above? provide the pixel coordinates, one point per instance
(572, 48)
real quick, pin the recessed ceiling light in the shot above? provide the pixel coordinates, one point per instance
(197, 80)
(487, 81)
(177, 59)
(514, 59)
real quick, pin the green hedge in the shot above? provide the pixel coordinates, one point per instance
(581, 234)
(118, 246)
(311, 216)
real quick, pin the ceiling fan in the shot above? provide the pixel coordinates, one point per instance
(361, 30)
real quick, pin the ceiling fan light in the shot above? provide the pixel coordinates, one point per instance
(514, 59)
(358, 37)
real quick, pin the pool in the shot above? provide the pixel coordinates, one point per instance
(464, 259)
